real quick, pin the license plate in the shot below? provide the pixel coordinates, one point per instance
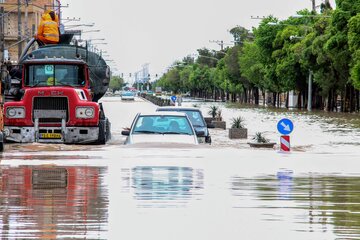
(50, 135)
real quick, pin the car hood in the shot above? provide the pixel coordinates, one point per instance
(163, 138)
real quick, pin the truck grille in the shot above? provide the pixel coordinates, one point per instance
(49, 178)
(51, 103)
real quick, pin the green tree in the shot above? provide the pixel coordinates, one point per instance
(116, 83)
(354, 47)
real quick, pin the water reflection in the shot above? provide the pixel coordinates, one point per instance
(163, 186)
(317, 203)
(49, 202)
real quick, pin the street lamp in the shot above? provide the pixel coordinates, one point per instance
(96, 39)
(96, 30)
(79, 25)
(314, 16)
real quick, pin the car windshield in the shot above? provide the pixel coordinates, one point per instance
(54, 75)
(127, 94)
(162, 125)
(195, 117)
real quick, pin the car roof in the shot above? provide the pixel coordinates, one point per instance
(163, 113)
(177, 108)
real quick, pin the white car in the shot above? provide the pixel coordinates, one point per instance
(161, 127)
(196, 118)
(127, 95)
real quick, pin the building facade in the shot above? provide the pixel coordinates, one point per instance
(19, 20)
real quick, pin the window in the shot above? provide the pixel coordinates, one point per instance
(163, 125)
(54, 75)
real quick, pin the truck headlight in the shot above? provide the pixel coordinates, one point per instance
(15, 112)
(85, 112)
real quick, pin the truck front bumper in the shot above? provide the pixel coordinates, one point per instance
(51, 134)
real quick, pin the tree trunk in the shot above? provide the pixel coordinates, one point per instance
(256, 95)
(334, 99)
(357, 101)
(299, 100)
(274, 99)
(329, 102)
(352, 99)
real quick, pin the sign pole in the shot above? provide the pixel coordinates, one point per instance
(285, 127)
(285, 143)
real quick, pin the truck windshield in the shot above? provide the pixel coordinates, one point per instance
(54, 75)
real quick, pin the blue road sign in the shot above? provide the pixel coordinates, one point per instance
(173, 98)
(285, 126)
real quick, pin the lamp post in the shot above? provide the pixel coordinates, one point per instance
(309, 106)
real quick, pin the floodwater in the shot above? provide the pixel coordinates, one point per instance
(223, 191)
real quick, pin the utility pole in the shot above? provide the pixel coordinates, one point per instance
(220, 42)
(19, 28)
(27, 30)
(313, 6)
(2, 34)
(309, 105)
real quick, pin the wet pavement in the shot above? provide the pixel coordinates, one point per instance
(223, 191)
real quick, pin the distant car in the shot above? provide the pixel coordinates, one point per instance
(127, 95)
(164, 127)
(196, 118)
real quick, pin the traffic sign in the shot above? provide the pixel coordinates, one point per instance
(285, 126)
(285, 143)
(173, 99)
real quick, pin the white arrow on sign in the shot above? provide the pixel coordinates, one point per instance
(286, 127)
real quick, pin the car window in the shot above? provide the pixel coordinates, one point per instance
(163, 125)
(196, 118)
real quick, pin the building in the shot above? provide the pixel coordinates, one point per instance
(19, 20)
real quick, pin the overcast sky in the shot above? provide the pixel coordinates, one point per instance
(159, 32)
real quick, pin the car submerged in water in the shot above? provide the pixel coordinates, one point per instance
(196, 119)
(161, 128)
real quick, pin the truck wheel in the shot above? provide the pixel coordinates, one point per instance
(102, 132)
(2, 141)
(108, 130)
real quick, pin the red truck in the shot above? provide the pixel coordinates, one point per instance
(54, 97)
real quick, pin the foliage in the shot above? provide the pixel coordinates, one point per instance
(278, 56)
(116, 83)
(259, 138)
(213, 111)
(237, 122)
(354, 47)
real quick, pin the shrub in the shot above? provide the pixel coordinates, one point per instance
(259, 138)
(213, 111)
(237, 122)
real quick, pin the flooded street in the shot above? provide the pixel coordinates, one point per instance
(226, 190)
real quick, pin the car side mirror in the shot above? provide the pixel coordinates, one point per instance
(125, 132)
(200, 133)
(210, 125)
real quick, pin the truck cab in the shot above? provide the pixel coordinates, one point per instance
(56, 104)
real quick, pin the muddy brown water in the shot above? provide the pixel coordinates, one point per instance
(223, 191)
